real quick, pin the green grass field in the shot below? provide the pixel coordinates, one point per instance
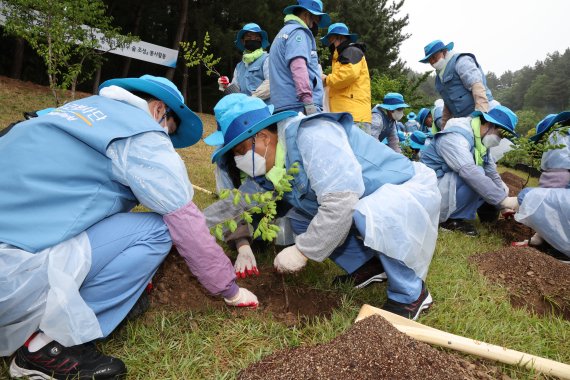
(218, 344)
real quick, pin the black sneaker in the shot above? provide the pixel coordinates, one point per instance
(460, 225)
(410, 310)
(55, 361)
(372, 271)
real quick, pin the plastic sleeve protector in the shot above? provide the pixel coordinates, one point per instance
(300, 75)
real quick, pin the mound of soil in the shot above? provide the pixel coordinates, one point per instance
(511, 231)
(370, 349)
(534, 280)
(514, 182)
(174, 287)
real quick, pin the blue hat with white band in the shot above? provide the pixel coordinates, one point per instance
(239, 118)
(392, 101)
(433, 47)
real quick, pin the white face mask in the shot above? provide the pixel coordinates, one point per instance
(397, 115)
(248, 164)
(491, 140)
(162, 119)
(439, 64)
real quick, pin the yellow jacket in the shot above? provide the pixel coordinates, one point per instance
(349, 83)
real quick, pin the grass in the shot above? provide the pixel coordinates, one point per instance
(218, 344)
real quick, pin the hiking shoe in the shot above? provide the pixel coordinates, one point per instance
(460, 225)
(372, 271)
(55, 361)
(410, 310)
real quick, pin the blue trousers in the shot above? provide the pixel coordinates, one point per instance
(467, 201)
(403, 284)
(126, 251)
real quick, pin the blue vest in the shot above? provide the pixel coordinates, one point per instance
(249, 78)
(56, 179)
(283, 93)
(385, 132)
(433, 160)
(457, 98)
(380, 164)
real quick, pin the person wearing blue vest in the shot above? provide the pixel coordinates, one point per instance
(546, 209)
(385, 119)
(466, 171)
(412, 124)
(74, 259)
(347, 197)
(459, 80)
(417, 141)
(251, 75)
(295, 73)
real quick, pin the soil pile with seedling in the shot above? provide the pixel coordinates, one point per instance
(370, 349)
(534, 280)
(174, 287)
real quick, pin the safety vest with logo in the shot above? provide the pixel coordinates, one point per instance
(250, 76)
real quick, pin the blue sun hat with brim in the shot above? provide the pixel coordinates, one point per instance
(418, 140)
(545, 124)
(433, 47)
(253, 28)
(239, 118)
(340, 29)
(422, 115)
(313, 6)
(392, 101)
(502, 117)
(411, 116)
(401, 136)
(190, 129)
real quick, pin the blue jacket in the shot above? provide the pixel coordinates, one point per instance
(380, 164)
(292, 41)
(249, 78)
(457, 98)
(58, 181)
(387, 124)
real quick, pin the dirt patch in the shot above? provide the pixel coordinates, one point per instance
(534, 280)
(174, 287)
(514, 182)
(370, 349)
(512, 231)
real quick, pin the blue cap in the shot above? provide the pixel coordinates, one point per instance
(313, 6)
(418, 140)
(502, 117)
(240, 117)
(422, 115)
(433, 47)
(254, 28)
(190, 129)
(411, 116)
(341, 29)
(392, 101)
(545, 124)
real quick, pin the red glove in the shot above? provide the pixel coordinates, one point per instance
(223, 82)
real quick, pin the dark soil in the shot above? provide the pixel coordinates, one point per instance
(514, 182)
(371, 349)
(534, 280)
(174, 287)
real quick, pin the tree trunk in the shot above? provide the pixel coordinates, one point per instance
(185, 93)
(199, 83)
(138, 18)
(179, 33)
(16, 71)
(96, 80)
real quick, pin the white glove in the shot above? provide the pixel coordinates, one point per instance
(507, 190)
(244, 298)
(310, 109)
(509, 203)
(223, 82)
(536, 239)
(245, 262)
(289, 259)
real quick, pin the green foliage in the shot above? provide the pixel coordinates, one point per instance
(66, 34)
(527, 122)
(263, 203)
(381, 84)
(195, 55)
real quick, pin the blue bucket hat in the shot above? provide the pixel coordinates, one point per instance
(341, 29)
(544, 125)
(401, 136)
(190, 129)
(418, 140)
(392, 101)
(254, 28)
(313, 6)
(502, 117)
(422, 115)
(433, 47)
(240, 117)
(411, 116)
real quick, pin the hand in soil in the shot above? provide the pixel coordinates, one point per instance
(245, 264)
(244, 298)
(290, 260)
